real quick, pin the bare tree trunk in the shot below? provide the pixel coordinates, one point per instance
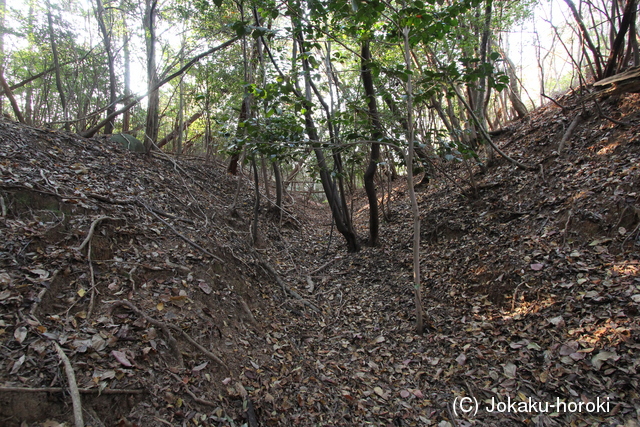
(265, 176)
(56, 62)
(126, 118)
(256, 206)
(338, 209)
(632, 55)
(181, 125)
(278, 178)
(245, 108)
(417, 285)
(374, 120)
(514, 88)
(3, 10)
(484, 91)
(106, 36)
(90, 132)
(178, 130)
(153, 104)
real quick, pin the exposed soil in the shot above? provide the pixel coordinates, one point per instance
(531, 288)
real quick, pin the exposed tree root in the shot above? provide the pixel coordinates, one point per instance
(73, 386)
(172, 341)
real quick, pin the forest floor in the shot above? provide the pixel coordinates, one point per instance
(138, 269)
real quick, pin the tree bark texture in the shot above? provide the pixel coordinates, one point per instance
(56, 64)
(106, 36)
(232, 168)
(153, 104)
(376, 128)
(126, 58)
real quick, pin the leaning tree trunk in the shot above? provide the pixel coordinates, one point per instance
(12, 99)
(514, 92)
(178, 129)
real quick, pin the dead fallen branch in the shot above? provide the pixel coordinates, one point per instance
(611, 119)
(555, 102)
(137, 202)
(92, 278)
(323, 266)
(198, 346)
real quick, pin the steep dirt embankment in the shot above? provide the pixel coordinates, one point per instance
(136, 268)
